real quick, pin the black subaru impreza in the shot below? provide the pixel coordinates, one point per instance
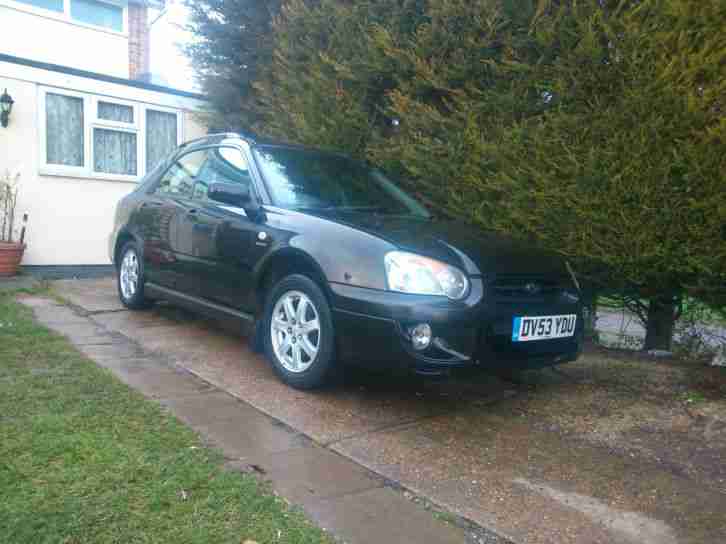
(327, 261)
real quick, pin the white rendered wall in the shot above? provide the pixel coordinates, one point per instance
(70, 218)
(42, 35)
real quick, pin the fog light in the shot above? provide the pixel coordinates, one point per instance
(420, 336)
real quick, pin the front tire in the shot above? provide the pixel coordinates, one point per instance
(130, 278)
(299, 338)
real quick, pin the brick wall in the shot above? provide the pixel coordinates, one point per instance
(139, 41)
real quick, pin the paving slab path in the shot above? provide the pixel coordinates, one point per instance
(369, 457)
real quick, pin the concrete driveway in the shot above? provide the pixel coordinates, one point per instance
(603, 450)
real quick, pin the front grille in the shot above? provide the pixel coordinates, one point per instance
(526, 286)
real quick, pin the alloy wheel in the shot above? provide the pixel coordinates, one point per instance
(129, 274)
(295, 331)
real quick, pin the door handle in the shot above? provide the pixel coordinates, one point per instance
(192, 212)
(150, 204)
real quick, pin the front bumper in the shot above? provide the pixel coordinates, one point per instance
(371, 328)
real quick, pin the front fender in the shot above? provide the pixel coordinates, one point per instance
(350, 258)
(334, 252)
(286, 254)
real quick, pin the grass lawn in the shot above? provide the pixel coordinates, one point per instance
(83, 458)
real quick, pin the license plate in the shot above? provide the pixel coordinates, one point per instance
(544, 327)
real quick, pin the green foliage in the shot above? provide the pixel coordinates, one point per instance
(233, 39)
(595, 127)
(326, 84)
(628, 168)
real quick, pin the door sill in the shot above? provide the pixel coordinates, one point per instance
(195, 302)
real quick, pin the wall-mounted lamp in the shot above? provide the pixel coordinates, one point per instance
(6, 106)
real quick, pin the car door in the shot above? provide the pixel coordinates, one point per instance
(164, 219)
(224, 238)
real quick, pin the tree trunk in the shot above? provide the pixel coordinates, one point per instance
(589, 301)
(661, 320)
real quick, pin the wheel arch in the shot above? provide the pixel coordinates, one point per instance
(282, 263)
(122, 239)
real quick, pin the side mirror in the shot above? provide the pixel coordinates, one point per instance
(238, 196)
(230, 193)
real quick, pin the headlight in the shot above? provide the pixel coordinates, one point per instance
(411, 273)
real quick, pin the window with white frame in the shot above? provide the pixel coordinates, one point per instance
(162, 134)
(52, 5)
(107, 14)
(114, 140)
(93, 136)
(97, 13)
(64, 128)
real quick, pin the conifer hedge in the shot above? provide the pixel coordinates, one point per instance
(596, 128)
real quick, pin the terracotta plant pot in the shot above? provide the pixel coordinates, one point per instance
(10, 256)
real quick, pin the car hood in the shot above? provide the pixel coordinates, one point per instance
(475, 250)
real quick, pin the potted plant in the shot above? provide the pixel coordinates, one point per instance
(12, 246)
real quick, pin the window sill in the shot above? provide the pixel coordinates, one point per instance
(95, 176)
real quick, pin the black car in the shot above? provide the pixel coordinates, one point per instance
(327, 261)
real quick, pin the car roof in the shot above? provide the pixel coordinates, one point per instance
(212, 139)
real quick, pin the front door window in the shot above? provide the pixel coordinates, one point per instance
(178, 182)
(222, 165)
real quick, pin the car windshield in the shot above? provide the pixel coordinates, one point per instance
(301, 179)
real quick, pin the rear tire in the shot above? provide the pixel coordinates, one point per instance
(130, 278)
(298, 334)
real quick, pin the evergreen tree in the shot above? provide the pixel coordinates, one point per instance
(628, 167)
(594, 127)
(326, 85)
(233, 40)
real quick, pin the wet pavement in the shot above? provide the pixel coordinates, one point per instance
(495, 452)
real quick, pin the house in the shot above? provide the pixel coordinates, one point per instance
(86, 124)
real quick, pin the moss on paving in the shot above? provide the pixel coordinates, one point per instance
(83, 458)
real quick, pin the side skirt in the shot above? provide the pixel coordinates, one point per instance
(201, 305)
